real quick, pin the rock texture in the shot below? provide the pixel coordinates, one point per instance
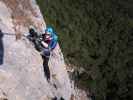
(21, 74)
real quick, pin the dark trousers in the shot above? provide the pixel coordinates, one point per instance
(46, 67)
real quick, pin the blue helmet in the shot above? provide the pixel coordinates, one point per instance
(49, 30)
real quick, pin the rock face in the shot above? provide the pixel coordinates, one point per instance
(21, 69)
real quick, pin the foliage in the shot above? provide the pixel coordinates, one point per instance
(98, 36)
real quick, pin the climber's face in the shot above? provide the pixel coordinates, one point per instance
(47, 36)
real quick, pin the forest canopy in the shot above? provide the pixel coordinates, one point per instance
(96, 35)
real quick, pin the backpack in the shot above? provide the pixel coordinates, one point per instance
(54, 40)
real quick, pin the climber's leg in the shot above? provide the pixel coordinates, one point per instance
(46, 67)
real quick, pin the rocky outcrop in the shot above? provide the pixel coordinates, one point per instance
(21, 70)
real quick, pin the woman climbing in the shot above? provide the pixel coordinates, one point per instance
(44, 43)
(49, 42)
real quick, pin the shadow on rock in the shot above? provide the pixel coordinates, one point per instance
(1, 48)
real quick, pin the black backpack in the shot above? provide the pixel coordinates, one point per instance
(36, 39)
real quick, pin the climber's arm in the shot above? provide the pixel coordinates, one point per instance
(44, 44)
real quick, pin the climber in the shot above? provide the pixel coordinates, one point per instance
(44, 43)
(49, 42)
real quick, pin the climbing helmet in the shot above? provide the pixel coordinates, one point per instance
(49, 30)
